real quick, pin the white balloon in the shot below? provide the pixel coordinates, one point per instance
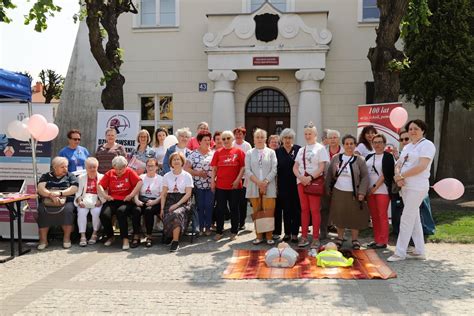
(170, 140)
(18, 130)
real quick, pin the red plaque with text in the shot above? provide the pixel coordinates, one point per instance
(266, 61)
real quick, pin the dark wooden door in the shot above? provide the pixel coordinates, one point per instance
(267, 109)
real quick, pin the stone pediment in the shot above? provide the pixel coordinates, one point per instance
(267, 28)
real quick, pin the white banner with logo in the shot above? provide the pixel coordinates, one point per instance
(16, 162)
(126, 123)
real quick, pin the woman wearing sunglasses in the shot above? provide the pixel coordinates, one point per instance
(381, 171)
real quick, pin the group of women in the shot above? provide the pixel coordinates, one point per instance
(313, 185)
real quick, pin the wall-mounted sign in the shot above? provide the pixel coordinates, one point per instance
(202, 86)
(266, 61)
(279, 123)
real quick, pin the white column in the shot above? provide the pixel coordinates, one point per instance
(223, 106)
(309, 104)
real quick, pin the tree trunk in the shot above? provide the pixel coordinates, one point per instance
(430, 110)
(387, 82)
(108, 59)
(443, 158)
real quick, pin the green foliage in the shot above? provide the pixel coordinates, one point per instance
(41, 10)
(53, 84)
(398, 65)
(5, 4)
(417, 15)
(442, 55)
(108, 75)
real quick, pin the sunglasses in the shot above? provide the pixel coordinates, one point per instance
(404, 139)
(76, 139)
(226, 138)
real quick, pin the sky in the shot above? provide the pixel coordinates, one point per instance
(24, 49)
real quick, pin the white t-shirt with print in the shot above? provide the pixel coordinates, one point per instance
(375, 163)
(410, 157)
(245, 146)
(178, 183)
(151, 187)
(314, 155)
(344, 181)
(362, 149)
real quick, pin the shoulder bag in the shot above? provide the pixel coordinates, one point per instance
(316, 186)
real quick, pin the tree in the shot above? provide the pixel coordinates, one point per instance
(53, 84)
(101, 18)
(385, 59)
(442, 63)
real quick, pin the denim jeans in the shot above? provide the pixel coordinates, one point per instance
(205, 206)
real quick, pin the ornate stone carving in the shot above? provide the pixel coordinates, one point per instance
(242, 25)
(310, 74)
(222, 75)
(290, 25)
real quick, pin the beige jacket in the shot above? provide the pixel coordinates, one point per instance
(359, 172)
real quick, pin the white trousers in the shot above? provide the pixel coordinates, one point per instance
(410, 223)
(82, 218)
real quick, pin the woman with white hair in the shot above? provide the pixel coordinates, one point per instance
(310, 164)
(122, 184)
(193, 143)
(56, 191)
(87, 200)
(260, 171)
(286, 182)
(228, 166)
(183, 135)
(138, 157)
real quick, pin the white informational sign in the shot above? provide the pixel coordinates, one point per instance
(16, 162)
(126, 123)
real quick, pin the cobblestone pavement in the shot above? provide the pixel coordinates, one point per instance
(99, 280)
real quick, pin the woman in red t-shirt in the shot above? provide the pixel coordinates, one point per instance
(121, 184)
(228, 166)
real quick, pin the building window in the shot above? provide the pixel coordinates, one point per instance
(368, 11)
(157, 13)
(156, 111)
(282, 5)
(268, 101)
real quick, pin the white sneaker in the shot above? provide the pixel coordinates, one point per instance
(416, 256)
(42, 246)
(394, 258)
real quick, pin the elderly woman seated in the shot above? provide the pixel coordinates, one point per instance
(122, 184)
(87, 200)
(56, 191)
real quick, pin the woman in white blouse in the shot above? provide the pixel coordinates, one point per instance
(176, 199)
(412, 173)
(310, 164)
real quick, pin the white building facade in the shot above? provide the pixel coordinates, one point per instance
(270, 64)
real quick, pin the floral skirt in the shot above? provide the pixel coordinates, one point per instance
(179, 217)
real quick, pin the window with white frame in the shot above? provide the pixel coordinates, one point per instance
(368, 11)
(282, 5)
(156, 111)
(158, 13)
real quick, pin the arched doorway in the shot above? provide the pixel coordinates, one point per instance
(267, 109)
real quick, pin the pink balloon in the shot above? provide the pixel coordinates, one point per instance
(449, 188)
(37, 125)
(398, 117)
(50, 133)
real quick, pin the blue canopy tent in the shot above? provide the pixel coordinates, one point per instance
(16, 87)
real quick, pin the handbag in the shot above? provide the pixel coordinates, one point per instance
(264, 220)
(316, 186)
(89, 200)
(47, 201)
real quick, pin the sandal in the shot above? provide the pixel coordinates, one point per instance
(135, 243)
(83, 242)
(257, 241)
(355, 244)
(93, 240)
(148, 242)
(339, 242)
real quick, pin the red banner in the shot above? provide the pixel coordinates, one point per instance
(378, 115)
